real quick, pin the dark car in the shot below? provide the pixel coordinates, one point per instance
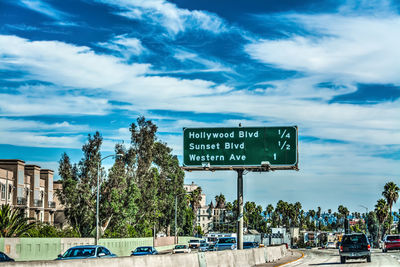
(354, 246)
(4, 257)
(86, 252)
(211, 247)
(391, 242)
(247, 245)
(141, 251)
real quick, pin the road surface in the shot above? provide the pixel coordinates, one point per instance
(324, 258)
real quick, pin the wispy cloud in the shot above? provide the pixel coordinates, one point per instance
(340, 48)
(38, 134)
(44, 8)
(124, 45)
(168, 15)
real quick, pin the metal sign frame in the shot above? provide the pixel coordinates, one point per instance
(264, 166)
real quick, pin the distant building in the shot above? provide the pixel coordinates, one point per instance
(207, 216)
(28, 187)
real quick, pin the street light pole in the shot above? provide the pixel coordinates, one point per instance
(98, 195)
(176, 212)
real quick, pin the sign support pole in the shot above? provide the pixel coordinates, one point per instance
(240, 209)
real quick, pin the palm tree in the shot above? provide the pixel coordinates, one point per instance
(344, 212)
(220, 201)
(391, 194)
(311, 213)
(13, 222)
(381, 210)
(194, 200)
(268, 210)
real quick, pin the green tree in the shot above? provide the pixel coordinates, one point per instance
(137, 196)
(391, 194)
(220, 201)
(79, 186)
(13, 222)
(118, 196)
(344, 212)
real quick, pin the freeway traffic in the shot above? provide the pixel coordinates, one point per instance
(327, 257)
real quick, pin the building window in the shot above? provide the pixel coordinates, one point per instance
(9, 191)
(3, 191)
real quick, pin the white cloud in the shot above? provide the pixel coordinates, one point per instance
(43, 8)
(47, 102)
(32, 133)
(64, 64)
(209, 65)
(168, 15)
(289, 102)
(20, 124)
(345, 48)
(124, 45)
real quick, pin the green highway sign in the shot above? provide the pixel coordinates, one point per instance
(240, 146)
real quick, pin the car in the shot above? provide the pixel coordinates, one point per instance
(354, 246)
(194, 243)
(225, 243)
(203, 247)
(86, 252)
(247, 245)
(391, 242)
(4, 257)
(141, 251)
(330, 245)
(211, 247)
(181, 249)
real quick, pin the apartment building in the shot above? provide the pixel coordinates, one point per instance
(207, 216)
(29, 188)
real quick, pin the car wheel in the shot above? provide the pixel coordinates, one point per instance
(368, 258)
(342, 259)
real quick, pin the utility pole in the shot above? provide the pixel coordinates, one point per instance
(240, 209)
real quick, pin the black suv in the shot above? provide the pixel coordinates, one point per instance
(354, 246)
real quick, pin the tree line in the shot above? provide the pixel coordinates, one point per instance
(378, 222)
(137, 199)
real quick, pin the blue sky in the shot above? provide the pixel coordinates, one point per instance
(69, 68)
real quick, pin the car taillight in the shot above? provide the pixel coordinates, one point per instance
(341, 248)
(369, 246)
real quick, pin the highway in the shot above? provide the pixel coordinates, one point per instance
(313, 257)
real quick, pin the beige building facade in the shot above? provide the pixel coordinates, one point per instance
(29, 188)
(207, 215)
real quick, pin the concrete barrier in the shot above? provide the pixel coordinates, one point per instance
(259, 255)
(29, 249)
(229, 258)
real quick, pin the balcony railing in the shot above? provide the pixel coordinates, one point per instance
(21, 201)
(52, 204)
(37, 203)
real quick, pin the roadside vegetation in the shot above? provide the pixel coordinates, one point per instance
(137, 197)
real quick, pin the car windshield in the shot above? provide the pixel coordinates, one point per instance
(79, 252)
(203, 245)
(354, 239)
(143, 249)
(180, 247)
(226, 240)
(194, 241)
(393, 237)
